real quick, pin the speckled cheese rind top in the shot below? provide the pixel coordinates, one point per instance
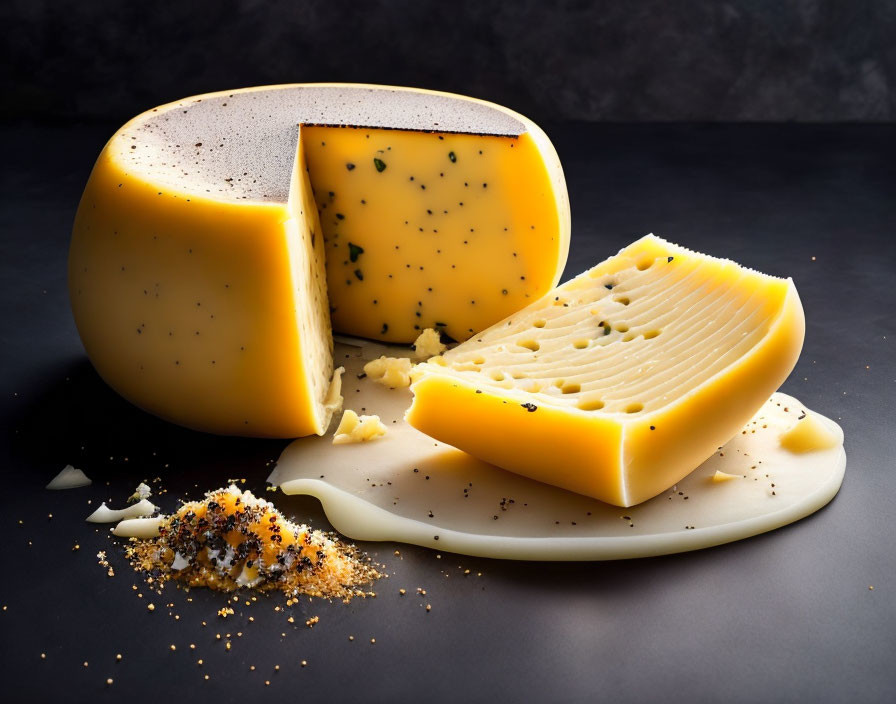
(241, 145)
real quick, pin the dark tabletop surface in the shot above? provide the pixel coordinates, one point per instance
(786, 616)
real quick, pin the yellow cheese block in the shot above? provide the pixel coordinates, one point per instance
(620, 382)
(210, 227)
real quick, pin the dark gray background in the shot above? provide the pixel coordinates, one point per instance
(607, 60)
(787, 616)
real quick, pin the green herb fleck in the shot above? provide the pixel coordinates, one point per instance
(359, 274)
(379, 164)
(452, 157)
(531, 407)
(350, 166)
(385, 329)
(354, 251)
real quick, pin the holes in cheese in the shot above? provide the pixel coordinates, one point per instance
(218, 237)
(702, 345)
(594, 404)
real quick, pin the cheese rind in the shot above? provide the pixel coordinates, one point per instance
(206, 314)
(620, 382)
(196, 269)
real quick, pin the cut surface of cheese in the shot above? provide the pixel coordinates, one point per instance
(197, 269)
(410, 488)
(621, 381)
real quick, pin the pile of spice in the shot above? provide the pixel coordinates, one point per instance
(232, 539)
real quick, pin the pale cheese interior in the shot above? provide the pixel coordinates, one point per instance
(306, 247)
(629, 338)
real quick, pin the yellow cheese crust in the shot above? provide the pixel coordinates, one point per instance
(188, 308)
(620, 382)
(210, 309)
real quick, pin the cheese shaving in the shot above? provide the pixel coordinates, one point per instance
(69, 478)
(104, 514)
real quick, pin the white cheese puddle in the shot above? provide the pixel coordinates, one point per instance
(456, 503)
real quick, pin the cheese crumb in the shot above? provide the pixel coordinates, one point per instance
(394, 372)
(354, 428)
(808, 434)
(724, 477)
(140, 493)
(428, 344)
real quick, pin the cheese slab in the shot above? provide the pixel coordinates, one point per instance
(218, 235)
(407, 487)
(619, 382)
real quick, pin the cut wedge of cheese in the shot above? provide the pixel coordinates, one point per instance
(197, 267)
(620, 382)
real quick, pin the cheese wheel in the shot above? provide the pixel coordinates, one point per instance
(621, 381)
(218, 236)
